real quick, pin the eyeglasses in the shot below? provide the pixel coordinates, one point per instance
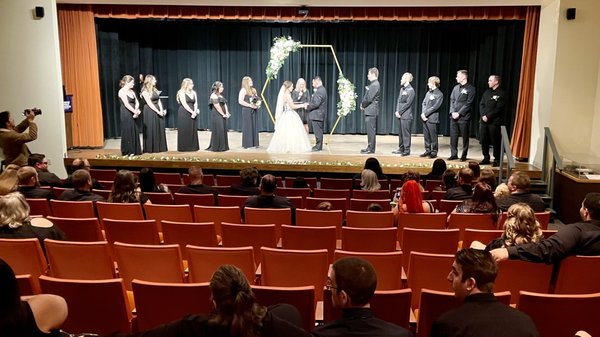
(330, 286)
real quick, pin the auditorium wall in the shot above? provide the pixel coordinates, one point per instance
(30, 74)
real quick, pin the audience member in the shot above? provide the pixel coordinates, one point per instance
(15, 222)
(581, 238)
(38, 315)
(148, 182)
(437, 170)
(82, 164)
(472, 276)
(82, 188)
(482, 201)
(374, 207)
(45, 177)
(501, 191)
(267, 197)
(352, 282)
(520, 227)
(488, 176)
(411, 200)
(518, 185)
(29, 186)
(9, 181)
(300, 182)
(196, 186)
(448, 180)
(13, 138)
(370, 164)
(324, 206)
(249, 185)
(474, 166)
(369, 181)
(125, 189)
(414, 176)
(464, 190)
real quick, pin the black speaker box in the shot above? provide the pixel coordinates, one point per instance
(571, 12)
(39, 12)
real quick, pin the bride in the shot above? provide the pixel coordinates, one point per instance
(290, 135)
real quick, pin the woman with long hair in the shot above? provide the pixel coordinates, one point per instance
(437, 170)
(155, 139)
(370, 164)
(129, 112)
(411, 200)
(148, 182)
(125, 189)
(482, 201)
(368, 181)
(9, 181)
(246, 97)
(301, 96)
(236, 313)
(219, 116)
(290, 135)
(187, 130)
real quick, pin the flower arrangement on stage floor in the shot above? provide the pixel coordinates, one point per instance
(348, 96)
(281, 49)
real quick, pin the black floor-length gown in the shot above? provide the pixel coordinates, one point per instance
(155, 138)
(249, 125)
(218, 135)
(130, 135)
(187, 131)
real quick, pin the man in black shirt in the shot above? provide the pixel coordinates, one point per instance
(45, 177)
(491, 110)
(404, 108)
(267, 197)
(196, 186)
(464, 190)
(518, 185)
(461, 104)
(29, 185)
(82, 186)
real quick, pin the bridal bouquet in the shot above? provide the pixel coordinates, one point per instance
(348, 96)
(256, 101)
(282, 46)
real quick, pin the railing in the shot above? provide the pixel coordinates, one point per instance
(505, 149)
(548, 168)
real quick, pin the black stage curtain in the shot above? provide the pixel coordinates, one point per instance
(207, 51)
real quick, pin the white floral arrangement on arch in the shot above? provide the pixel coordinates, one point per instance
(281, 49)
(348, 96)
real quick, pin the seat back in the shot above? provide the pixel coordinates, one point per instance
(309, 238)
(189, 233)
(562, 315)
(231, 200)
(447, 206)
(294, 268)
(277, 216)
(167, 178)
(420, 220)
(160, 213)
(433, 241)
(26, 285)
(218, 215)
(393, 306)
(363, 204)
(143, 232)
(110, 310)
(336, 203)
(194, 199)
(39, 206)
(578, 275)
(125, 211)
(227, 180)
(237, 235)
(336, 183)
(344, 193)
(79, 229)
(369, 239)
(365, 219)
(302, 298)
(428, 271)
(311, 181)
(103, 174)
(388, 267)
(160, 198)
(433, 305)
(295, 192)
(463, 221)
(511, 277)
(80, 260)
(24, 256)
(72, 209)
(149, 263)
(362, 194)
(158, 303)
(482, 235)
(203, 261)
(318, 218)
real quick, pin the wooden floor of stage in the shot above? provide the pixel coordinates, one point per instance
(340, 155)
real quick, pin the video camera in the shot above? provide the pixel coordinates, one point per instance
(35, 111)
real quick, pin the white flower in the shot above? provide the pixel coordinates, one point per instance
(282, 46)
(464, 91)
(495, 97)
(348, 96)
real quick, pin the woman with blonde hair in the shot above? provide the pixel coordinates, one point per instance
(301, 95)
(129, 112)
(247, 98)
(187, 130)
(369, 181)
(155, 139)
(9, 181)
(289, 135)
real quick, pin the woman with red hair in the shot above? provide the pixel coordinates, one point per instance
(410, 200)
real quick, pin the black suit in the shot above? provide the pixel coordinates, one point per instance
(317, 111)
(360, 322)
(431, 109)
(32, 192)
(80, 195)
(46, 178)
(370, 106)
(461, 101)
(492, 106)
(404, 108)
(462, 192)
(239, 189)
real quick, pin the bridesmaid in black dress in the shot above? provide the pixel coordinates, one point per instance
(249, 114)
(129, 111)
(187, 132)
(155, 139)
(301, 96)
(219, 115)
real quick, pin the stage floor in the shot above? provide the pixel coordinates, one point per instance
(340, 155)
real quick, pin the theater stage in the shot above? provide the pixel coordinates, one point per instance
(340, 157)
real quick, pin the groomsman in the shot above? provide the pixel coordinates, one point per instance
(404, 107)
(430, 115)
(461, 104)
(317, 108)
(370, 106)
(491, 109)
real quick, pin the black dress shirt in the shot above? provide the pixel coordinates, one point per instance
(32, 192)
(360, 322)
(80, 195)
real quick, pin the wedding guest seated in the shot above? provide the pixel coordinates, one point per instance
(15, 222)
(196, 186)
(267, 197)
(249, 185)
(464, 190)
(352, 281)
(501, 191)
(482, 201)
(299, 182)
(82, 164)
(38, 315)
(520, 227)
(29, 185)
(472, 277)
(474, 166)
(581, 238)
(82, 188)
(236, 313)
(374, 207)
(324, 206)
(411, 201)
(148, 182)
(488, 176)
(448, 180)
(518, 185)
(45, 177)
(369, 181)
(437, 170)
(370, 164)
(9, 181)
(414, 176)
(125, 189)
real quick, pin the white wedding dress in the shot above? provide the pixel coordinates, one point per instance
(290, 135)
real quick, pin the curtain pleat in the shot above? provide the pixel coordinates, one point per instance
(79, 59)
(521, 137)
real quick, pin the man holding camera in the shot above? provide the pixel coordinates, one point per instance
(13, 138)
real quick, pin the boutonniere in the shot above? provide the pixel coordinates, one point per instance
(432, 97)
(495, 97)
(404, 93)
(464, 91)
(366, 88)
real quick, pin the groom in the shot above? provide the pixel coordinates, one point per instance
(317, 111)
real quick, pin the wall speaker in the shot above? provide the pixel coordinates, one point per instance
(38, 12)
(571, 12)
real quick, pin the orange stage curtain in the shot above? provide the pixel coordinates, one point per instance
(521, 136)
(79, 59)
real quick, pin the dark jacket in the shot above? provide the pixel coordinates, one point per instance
(461, 101)
(32, 192)
(80, 195)
(360, 322)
